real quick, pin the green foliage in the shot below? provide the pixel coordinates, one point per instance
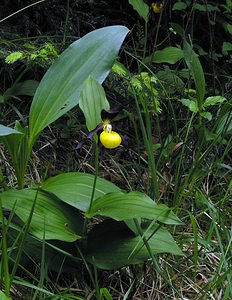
(196, 70)
(142, 84)
(3, 296)
(169, 55)
(111, 245)
(70, 73)
(179, 6)
(30, 53)
(27, 87)
(141, 7)
(53, 210)
(88, 104)
(13, 57)
(75, 188)
(178, 155)
(119, 207)
(52, 219)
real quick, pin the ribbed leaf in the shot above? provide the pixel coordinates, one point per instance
(60, 89)
(169, 55)
(4, 131)
(214, 100)
(27, 88)
(141, 7)
(51, 217)
(191, 104)
(121, 206)
(92, 101)
(195, 67)
(112, 245)
(76, 188)
(12, 139)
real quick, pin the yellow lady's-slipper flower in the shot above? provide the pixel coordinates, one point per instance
(157, 7)
(110, 139)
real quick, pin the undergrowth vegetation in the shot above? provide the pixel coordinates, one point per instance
(115, 150)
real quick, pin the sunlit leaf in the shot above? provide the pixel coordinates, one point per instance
(192, 105)
(195, 67)
(141, 7)
(76, 188)
(120, 69)
(92, 102)
(214, 100)
(60, 88)
(13, 57)
(4, 297)
(52, 219)
(169, 55)
(207, 115)
(121, 206)
(4, 131)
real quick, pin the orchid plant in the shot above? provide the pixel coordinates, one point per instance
(60, 207)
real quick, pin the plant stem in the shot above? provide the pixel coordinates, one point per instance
(156, 36)
(66, 23)
(155, 263)
(4, 270)
(2, 181)
(18, 11)
(145, 41)
(94, 186)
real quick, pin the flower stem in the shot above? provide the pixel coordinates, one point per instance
(94, 187)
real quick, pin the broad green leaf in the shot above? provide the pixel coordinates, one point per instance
(131, 224)
(12, 139)
(16, 141)
(178, 29)
(195, 67)
(179, 6)
(192, 105)
(60, 88)
(169, 55)
(76, 188)
(111, 245)
(228, 27)
(51, 217)
(4, 131)
(170, 81)
(92, 102)
(141, 7)
(214, 100)
(226, 46)
(27, 88)
(206, 7)
(4, 297)
(121, 206)
(207, 115)
(58, 253)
